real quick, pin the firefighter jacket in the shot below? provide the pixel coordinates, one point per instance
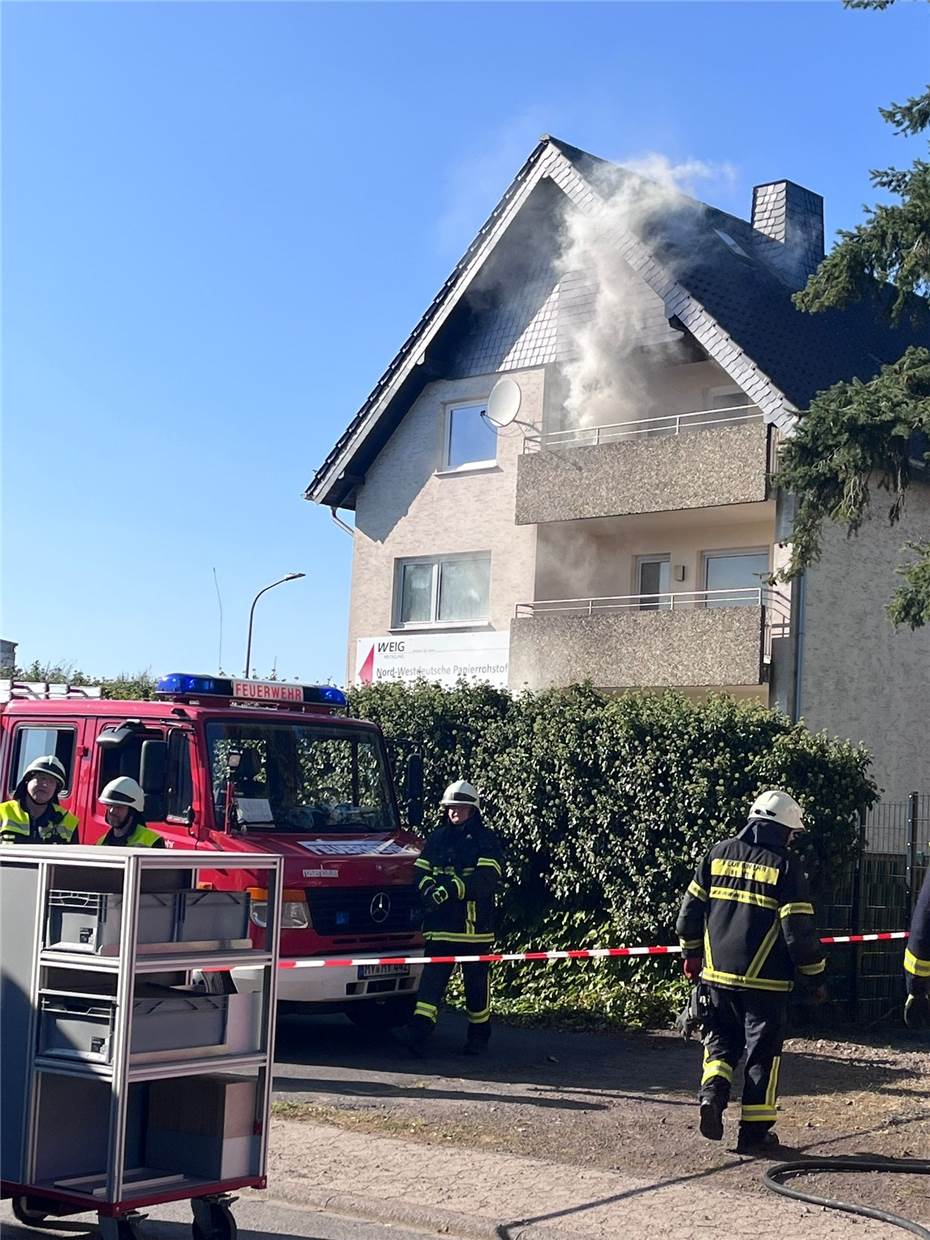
(748, 913)
(140, 836)
(917, 952)
(54, 826)
(465, 863)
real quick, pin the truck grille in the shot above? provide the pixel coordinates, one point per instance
(363, 910)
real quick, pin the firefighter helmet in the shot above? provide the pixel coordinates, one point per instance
(461, 793)
(48, 764)
(123, 791)
(779, 807)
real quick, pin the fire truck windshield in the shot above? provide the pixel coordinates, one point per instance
(300, 777)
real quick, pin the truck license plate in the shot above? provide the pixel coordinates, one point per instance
(384, 970)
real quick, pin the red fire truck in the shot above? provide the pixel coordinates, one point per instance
(256, 766)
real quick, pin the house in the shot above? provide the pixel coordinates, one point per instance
(610, 515)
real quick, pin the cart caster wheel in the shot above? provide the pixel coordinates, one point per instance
(213, 1220)
(25, 1212)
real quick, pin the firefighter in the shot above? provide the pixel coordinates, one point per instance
(125, 802)
(746, 927)
(917, 962)
(34, 816)
(459, 871)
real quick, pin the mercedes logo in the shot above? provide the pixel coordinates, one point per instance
(380, 907)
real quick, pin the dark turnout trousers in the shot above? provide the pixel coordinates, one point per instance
(477, 980)
(750, 1022)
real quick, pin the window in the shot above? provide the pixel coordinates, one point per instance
(726, 397)
(737, 572)
(443, 591)
(180, 794)
(36, 742)
(469, 439)
(302, 777)
(652, 581)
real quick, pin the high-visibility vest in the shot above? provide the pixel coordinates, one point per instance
(16, 826)
(138, 837)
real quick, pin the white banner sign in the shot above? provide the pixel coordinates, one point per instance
(443, 657)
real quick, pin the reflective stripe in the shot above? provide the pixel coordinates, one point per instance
(689, 945)
(758, 1115)
(811, 970)
(425, 881)
(696, 890)
(771, 1094)
(724, 867)
(765, 950)
(716, 1067)
(450, 937)
(913, 964)
(789, 910)
(707, 956)
(743, 981)
(489, 861)
(471, 913)
(479, 1018)
(429, 1010)
(422, 864)
(743, 897)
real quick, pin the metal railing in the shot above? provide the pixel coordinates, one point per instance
(668, 424)
(776, 606)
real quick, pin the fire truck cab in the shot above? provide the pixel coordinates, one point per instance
(255, 766)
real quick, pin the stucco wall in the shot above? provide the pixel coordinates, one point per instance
(586, 559)
(628, 649)
(408, 507)
(696, 469)
(860, 678)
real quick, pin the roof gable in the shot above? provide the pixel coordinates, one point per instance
(700, 262)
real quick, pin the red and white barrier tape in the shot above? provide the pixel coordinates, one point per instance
(586, 953)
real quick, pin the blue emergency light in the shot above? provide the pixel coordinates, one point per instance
(259, 692)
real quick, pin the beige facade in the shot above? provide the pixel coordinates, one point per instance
(411, 506)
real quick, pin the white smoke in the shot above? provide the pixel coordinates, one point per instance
(606, 380)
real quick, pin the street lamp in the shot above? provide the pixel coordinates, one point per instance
(248, 647)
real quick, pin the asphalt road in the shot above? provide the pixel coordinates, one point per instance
(255, 1220)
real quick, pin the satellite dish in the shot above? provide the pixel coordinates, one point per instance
(503, 403)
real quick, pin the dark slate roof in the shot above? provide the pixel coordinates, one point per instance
(800, 353)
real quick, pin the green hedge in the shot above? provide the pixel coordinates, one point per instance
(604, 804)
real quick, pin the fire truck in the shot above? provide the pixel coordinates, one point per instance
(255, 766)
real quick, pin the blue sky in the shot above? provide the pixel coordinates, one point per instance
(220, 221)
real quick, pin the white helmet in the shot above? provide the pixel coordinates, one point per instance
(123, 791)
(48, 764)
(779, 807)
(461, 793)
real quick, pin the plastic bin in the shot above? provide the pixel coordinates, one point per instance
(78, 1028)
(206, 916)
(92, 921)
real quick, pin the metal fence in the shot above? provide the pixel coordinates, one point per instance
(877, 891)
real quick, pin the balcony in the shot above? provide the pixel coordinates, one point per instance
(703, 459)
(689, 639)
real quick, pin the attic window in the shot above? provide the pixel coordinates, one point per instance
(730, 243)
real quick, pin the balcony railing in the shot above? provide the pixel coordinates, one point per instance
(669, 424)
(776, 606)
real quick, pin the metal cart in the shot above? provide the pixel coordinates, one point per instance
(134, 1073)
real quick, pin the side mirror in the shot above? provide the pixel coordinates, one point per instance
(413, 789)
(153, 776)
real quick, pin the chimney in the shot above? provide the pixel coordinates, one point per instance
(788, 220)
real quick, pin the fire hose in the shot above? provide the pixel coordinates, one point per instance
(822, 1166)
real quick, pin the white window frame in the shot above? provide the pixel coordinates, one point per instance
(467, 467)
(435, 562)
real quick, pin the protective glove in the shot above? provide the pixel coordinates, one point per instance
(453, 885)
(917, 1011)
(691, 967)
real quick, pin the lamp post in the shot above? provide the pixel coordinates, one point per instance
(248, 647)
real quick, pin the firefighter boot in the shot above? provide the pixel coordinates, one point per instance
(711, 1125)
(756, 1144)
(416, 1036)
(476, 1042)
